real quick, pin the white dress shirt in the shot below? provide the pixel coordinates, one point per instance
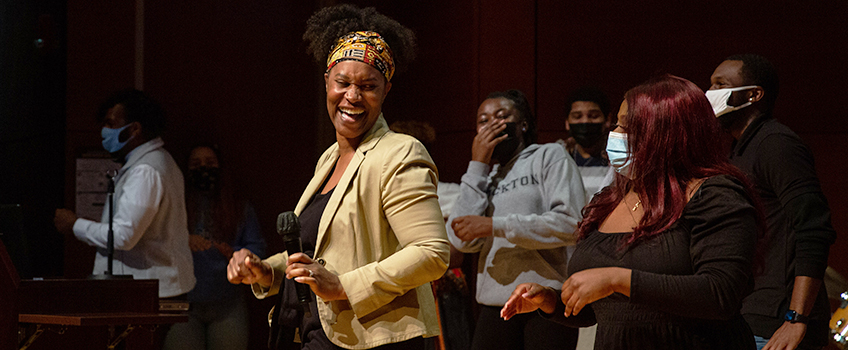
(149, 223)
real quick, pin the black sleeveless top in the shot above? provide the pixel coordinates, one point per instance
(291, 317)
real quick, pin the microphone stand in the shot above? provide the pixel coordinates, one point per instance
(110, 237)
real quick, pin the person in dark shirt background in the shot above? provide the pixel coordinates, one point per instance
(788, 308)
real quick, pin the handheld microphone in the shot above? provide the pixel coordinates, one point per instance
(288, 226)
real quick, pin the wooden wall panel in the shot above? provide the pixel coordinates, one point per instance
(620, 45)
(237, 75)
(100, 60)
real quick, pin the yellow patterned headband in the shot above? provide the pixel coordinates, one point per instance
(366, 47)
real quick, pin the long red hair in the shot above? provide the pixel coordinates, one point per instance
(673, 137)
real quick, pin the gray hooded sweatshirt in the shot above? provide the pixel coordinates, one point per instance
(535, 202)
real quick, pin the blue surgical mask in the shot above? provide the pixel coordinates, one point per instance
(110, 139)
(617, 153)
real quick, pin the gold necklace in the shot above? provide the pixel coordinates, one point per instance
(638, 202)
(636, 206)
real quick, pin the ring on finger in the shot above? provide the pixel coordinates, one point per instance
(311, 273)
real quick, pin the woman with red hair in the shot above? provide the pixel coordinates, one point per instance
(665, 254)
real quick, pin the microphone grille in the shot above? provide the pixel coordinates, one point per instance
(287, 223)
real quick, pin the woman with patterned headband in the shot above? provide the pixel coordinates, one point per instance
(370, 222)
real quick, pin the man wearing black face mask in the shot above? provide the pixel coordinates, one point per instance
(588, 123)
(789, 306)
(520, 215)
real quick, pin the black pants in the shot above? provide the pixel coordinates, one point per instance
(528, 331)
(455, 314)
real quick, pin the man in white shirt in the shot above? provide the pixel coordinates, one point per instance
(149, 222)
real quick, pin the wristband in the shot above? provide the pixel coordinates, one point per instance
(794, 317)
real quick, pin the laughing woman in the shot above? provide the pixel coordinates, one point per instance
(370, 213)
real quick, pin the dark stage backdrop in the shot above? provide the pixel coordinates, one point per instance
(236, 72)
(32, 131)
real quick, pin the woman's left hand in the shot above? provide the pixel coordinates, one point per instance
(323, 283)
(587, 286)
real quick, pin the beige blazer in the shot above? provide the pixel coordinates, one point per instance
(383, 234)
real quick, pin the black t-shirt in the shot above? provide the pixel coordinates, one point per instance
(291, 317)
(310, 218)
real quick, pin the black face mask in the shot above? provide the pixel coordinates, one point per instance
(508, 146)
(587, 134)
(205, 178)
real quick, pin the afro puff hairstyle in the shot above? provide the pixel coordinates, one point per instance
(327, 25)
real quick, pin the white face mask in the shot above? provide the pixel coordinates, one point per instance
(718, 99)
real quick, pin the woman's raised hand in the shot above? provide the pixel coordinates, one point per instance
(486, 139)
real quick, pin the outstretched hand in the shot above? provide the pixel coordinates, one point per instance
(247, 268)
(529, 297)
(323, 283)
